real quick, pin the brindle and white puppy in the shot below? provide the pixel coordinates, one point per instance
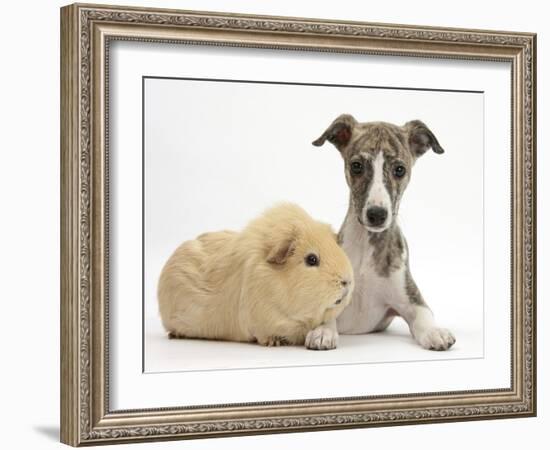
(378, 160)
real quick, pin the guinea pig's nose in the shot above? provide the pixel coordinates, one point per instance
(346, 285)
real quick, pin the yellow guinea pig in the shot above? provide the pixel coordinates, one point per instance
(272, 283)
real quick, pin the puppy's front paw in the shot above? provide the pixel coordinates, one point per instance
(436, 339)
(322, 338)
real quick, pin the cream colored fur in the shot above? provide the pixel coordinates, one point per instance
(254, 286)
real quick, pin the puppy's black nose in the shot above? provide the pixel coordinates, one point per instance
(376, 215)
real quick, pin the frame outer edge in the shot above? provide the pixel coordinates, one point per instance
(533, 136)
(69, 184)
(535, 165)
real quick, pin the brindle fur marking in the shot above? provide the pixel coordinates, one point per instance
(388, 250)
(412, 290)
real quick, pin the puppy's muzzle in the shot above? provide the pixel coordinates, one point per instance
(376, 216)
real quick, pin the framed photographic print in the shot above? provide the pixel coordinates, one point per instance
(276, 224)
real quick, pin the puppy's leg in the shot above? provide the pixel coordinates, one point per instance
(324, 337)
(427, 333)
(420, 319)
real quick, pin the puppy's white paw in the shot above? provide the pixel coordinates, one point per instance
(436, 338)
(322, 338)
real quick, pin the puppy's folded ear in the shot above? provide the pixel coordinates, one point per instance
(339, 132)
(280, 251)
(421, 138)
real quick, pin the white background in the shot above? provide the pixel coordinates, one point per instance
(219, 153)
(30, 238)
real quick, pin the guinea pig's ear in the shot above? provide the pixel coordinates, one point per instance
(339, 132)
(282, 250)
(421, 138)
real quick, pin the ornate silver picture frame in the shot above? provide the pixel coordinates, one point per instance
(87, 34)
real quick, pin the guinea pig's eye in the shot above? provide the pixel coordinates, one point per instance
(399, 170)
(312, 260)
(357, 168)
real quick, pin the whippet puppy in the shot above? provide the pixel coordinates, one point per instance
(378, 160)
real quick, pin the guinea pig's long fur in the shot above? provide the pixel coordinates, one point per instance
(257, 285)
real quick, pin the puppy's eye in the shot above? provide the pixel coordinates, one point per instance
(356, 167)
(312, 260)
(399, 171)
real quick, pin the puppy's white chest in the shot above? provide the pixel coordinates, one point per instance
(373, 295)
